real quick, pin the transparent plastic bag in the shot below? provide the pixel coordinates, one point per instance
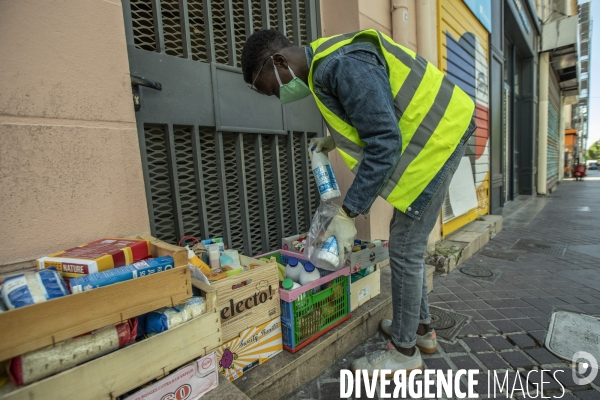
(315, 240)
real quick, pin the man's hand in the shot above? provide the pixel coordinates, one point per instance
(342, 227)
(322, 144)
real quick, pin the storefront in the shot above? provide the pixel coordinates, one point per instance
(520, 100)
(464, 56)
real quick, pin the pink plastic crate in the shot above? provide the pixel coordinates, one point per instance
(291, 295)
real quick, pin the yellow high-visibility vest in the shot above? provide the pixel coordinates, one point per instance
(433, 115)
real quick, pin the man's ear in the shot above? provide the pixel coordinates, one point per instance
(280, 61)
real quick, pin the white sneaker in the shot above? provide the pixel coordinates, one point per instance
(426, 343)
(390, 359)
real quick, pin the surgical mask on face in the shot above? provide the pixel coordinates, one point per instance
(292, 91)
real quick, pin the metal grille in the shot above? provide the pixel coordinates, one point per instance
(273, 21)
(226, 181)
(184, 159)
(143, 24)
(289, 18)
(159, 182)
(303, 28)
(170, 27)
(220, 32)
(197, 34)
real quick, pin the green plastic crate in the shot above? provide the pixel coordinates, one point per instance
(312, 314)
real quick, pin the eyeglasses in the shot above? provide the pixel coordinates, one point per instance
(257, 75)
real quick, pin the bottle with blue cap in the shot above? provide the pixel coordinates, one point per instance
(329, 254)
(293, 269)
(326, 182)
(309, 274)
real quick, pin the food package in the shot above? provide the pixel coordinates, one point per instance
(99, 255)
(167, 318)
(133, 271)
(32, 288)
(39, 364)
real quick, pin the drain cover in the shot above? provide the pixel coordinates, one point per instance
(476, 271)
(447, 324)
(538, 246)
(441, 320)
(572, 333)
(505, 255)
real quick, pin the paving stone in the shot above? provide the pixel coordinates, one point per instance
(588, 394)
(453, 347)
(527, 324)
(478, 304)
(492, 361)
(437, 363)
(484, 327)
(464, 362)
(522, 340)
(531, 312)
(516, 303)
(499, 343)
(503, 294)
(448, 297)
(511, 313)
(486, 295)
(564, 376)
(506, 326)
(536, 301)
(554, 301)
(497, 303)
(491, 314)
(459, 306)
(539, 336)
(517, 359)
(477, 344)
(542, 356)
(589, 309)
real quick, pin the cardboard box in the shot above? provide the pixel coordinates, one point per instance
(114, 374)
(190, 382)
(97, 256)
(248, 299)
(254, 346)
(365, 289)
(43, 324)
(288, 243)
(367, 257)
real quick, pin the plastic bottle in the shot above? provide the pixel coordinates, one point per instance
(309, 274)
(329, 255)
(289, 284)
(326, 182)
(293, 269)
(214, 252)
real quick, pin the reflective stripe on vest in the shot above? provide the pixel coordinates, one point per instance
(432, 113)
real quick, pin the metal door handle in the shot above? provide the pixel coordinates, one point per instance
(136, 82)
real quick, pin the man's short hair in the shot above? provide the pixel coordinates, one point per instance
(260, 45)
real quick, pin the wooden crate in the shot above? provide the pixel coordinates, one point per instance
(237, 302)
(123, 370)
(44, 324)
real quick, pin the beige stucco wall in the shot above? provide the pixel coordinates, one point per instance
(70, 168)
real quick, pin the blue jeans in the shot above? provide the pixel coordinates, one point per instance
(407, 245)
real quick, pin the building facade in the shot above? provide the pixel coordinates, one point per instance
(119, 117)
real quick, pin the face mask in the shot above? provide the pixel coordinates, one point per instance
(292, 91)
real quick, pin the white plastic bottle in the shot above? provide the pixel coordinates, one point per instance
(293, 269)
(309, 274)
(329, 255)
(326, 182)
(289, 284)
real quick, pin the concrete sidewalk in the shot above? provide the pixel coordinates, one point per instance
(557, 268)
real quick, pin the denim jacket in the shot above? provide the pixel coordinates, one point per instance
(353, 83)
